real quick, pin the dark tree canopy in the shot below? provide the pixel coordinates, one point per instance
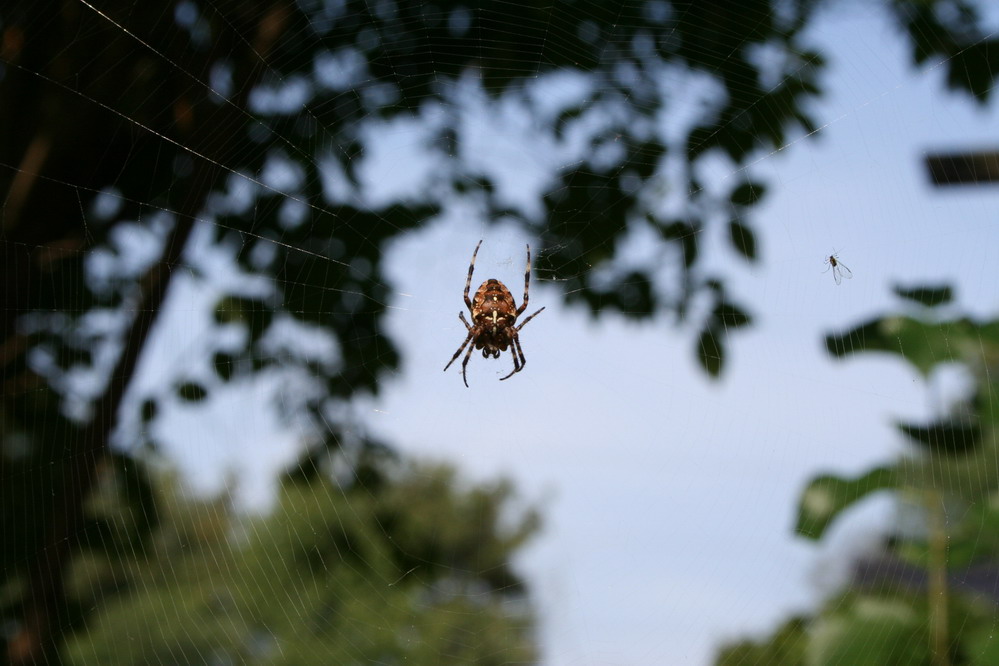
(119, 114)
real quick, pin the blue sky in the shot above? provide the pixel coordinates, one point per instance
(668, 498)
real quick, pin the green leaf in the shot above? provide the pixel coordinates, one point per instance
(743, 239)
(923, 344)
(870, 632)
(785, 648)
(980, 644)
(925, 295)
(192, 392)
(748, 193)
(827, 496)
(710, 352)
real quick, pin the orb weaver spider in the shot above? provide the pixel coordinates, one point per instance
(494, 325)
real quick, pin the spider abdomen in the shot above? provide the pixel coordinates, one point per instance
(493, 305)
(493, 295)
(493, 314)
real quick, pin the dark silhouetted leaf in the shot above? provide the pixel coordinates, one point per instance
(636, 297)
(730, 316)
(748, 193)
(69, 355)
(924, 295)
(224, 365)
(255, 314)
(710, 352)
(950, 437)
(743, 239)
(192, 392)
(700, 140)
(148, 410)
(974, 67)
(644, 157)
(567, 116)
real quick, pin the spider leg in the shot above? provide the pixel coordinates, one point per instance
(516, 350)
(461, 349)
(527, 283)
(524, 323)
(461, 316)
(464, 364)
(468, 280)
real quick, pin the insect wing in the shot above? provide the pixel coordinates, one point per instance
(840, 271)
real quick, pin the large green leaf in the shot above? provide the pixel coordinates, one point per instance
(923, 344)
(827, 496)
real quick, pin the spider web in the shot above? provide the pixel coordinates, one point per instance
(667, 499)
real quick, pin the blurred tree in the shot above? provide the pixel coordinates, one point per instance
(932, 595)
(120, 120)
(403, 565)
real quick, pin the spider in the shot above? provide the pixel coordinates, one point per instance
(494, 315)
(839, 269)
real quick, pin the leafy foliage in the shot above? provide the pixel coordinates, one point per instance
(117, 117)
(929, 596)
(923, 344)
(412, 568)
(828, 496)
